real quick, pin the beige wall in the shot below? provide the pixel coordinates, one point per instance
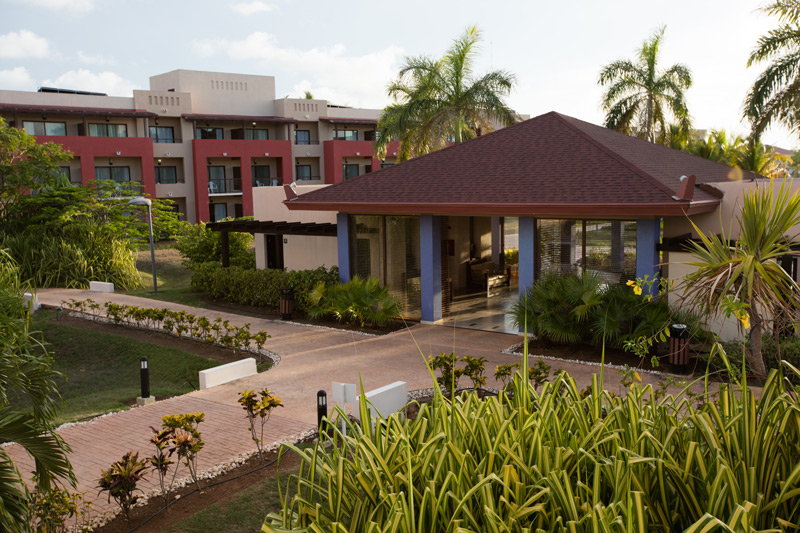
(300, 252)
(221, 93)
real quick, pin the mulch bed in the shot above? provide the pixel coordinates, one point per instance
(190, 503)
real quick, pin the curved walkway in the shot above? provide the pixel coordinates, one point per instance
(311, 358)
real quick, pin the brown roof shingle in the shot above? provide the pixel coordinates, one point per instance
(550, 165)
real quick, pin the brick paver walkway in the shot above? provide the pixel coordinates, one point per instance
(311, 358)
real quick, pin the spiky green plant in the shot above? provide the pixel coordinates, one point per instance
(361, 301)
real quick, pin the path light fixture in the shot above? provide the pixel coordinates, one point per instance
(140, 200)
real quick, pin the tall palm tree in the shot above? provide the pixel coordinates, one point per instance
(748, 270)
(775, 93)
(763, 160)
(441, 100)
(640, 96)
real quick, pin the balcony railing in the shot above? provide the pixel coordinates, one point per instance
(300, 179)
(166, 139)
(305, 142)
(224, 186)
(267, 182)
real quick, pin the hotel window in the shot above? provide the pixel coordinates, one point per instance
(108, 130)
(256, 135)
(303, 172)
(387, 165)
(302, 137)
(345, 135)
(261, 176)
(209, 133)
(118, 174)
(44, 128)
(349, 171)
(162, 134)
(166, 175)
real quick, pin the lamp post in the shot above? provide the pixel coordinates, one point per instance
(146, 201)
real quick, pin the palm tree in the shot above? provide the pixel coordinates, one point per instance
(639, 95)
(748, 271)
(774, 95)
(763, 160)
(440, 100)
(26, 370)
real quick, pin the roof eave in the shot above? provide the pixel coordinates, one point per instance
(583, 210)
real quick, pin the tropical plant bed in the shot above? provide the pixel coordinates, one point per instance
(587, 353)
(239, 503)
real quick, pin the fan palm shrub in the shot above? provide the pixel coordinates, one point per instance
(361, 301)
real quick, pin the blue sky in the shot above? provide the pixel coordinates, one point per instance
(347, 52)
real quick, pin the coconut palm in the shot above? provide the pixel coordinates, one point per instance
(763, 160)
(774, 95)
(441, 100)
(748, 271)
(25, 374)
(640, 96)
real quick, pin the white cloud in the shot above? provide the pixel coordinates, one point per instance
(23, 44)
(110, 83)
(251, 8)
(94, 59)
(16, 79)
(77, 6)
(334, 75)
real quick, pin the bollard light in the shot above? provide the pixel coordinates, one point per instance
(322, 410)
(58, 312)
(145, 377)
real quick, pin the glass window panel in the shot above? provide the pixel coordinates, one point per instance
(209, 133)
(303, 172)
(346, 135)
(55, 128)
(98, 130)
(102, 173)
(166, 175)
(302, 137)
(367, 246)
(256, 135)
(611, 249)
(349, 171)
(559, 246)
(403, 264)
(121, 174)
(162, 134)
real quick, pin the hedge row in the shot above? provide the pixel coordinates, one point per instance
(259, 288)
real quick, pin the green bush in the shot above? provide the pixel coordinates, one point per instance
(558, 461)
(198, 244)
(362, 301)
(259, 288)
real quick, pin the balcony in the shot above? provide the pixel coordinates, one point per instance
(166, 139)
(305, 142)
(267, 182)
(224, 186)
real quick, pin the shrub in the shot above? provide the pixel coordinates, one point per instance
(362, 301)
(198, 245)
(558, 461)
(260, 288)
(121, 479)
(258, 406)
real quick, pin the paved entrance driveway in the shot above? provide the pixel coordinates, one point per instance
(311, 358)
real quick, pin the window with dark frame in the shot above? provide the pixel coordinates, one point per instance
(108, 130)
(166, 175)
(349, 170)
(162, 134)
(345, 135)
(261, 176)
(302, 137)
(256, 135)
(34, 127)
(209, 133)
(303, 172)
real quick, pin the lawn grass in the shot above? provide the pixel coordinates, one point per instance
(243, 513)
(174, 280)
(101, 371)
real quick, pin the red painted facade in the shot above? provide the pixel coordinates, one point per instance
(86, 149)
(335, 152)
(245, 151)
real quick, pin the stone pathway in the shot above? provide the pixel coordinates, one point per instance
(311, 358)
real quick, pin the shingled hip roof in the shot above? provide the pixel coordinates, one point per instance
(551, 165)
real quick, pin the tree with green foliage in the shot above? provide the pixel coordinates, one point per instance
(748, 271)
(198, 244)
(26, 166)
(441, 100)
(640, 95)
(774, 95)
(26, 373)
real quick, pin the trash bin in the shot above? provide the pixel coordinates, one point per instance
(679, 348)
(287, 303)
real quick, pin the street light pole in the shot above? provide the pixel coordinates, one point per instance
(146, 201)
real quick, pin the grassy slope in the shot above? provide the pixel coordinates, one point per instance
(102, 370)
(174, 281)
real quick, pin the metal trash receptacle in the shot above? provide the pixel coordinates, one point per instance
(679, 348)
(287, 303)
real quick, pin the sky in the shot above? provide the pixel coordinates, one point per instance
(347, 52)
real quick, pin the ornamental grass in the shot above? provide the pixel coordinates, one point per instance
(561, 459)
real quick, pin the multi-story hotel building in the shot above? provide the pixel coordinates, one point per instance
(202, 139)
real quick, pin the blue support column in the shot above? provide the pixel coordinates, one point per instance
(343, 245)
(527, 253)
(648, 235)
(430, 251)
